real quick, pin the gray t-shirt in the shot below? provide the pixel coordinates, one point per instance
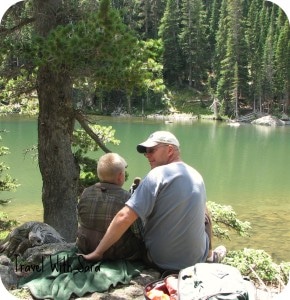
(171, 202)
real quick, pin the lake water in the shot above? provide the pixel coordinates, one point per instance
(247, 167)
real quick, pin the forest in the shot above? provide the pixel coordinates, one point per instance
(235, 52)
(63, 59)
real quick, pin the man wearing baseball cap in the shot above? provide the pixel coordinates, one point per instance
(171, 201)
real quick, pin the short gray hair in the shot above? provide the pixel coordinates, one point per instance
(110, 165)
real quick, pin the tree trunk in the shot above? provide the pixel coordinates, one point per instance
(58, 167)
(129, 104)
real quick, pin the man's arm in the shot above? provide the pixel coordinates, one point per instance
(119, 225)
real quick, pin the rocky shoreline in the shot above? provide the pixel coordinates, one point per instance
(251, 118)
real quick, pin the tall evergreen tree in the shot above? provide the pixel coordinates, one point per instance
(169, 32)
(235, 54)
(150, 14)
(258, 67)
(268, 66)
(193, 41)
(282, 58)
(253, 36)
(220, 51)
(213, 21)
(157, 11)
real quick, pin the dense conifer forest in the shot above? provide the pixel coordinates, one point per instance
(236, 52)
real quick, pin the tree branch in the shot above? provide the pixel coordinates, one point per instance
(81, 119)
(6, 31)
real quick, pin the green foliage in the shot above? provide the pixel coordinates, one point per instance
(258, 265)
(224, 219)
(186, 100)
(5, 225)
(173, 62)
(7, 183)
(283, 61)
(21, 293)
(92, 44)
(84, 145)
(193, 32)
(152, 53)
(285, 271)
(99, 46)
(16, 91)
(232, 69)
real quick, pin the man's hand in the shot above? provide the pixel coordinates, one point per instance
(93, 256)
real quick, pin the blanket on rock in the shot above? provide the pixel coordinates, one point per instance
(65, 274)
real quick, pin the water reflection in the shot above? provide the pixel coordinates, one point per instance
(264, 130)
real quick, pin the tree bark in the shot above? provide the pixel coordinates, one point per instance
(58, 168)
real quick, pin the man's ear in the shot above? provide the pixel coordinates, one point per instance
(171, 149)
(119, 177)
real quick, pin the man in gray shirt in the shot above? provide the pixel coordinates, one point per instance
(171, 201)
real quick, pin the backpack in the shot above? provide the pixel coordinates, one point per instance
(203, 281)
(213, 281)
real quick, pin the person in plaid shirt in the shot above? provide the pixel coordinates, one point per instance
(99, 204)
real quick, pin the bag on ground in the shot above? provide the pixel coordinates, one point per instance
(213, 281)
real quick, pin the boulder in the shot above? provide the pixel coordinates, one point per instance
(28, 235)
(268, 121)
(35, 255)
(7, 274)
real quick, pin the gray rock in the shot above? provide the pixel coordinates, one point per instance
(28, 235)
(35, 255)
(7, 273)
(268, 121)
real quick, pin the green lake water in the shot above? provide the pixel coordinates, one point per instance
(247, 167)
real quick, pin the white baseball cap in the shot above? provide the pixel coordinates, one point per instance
(158, 137)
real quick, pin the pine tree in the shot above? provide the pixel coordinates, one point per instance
(213, 21)
(193, 41)
(234, 57)
(282, 58)
(220, 53)
(268, 64)
(169, 32)
(253, 37)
